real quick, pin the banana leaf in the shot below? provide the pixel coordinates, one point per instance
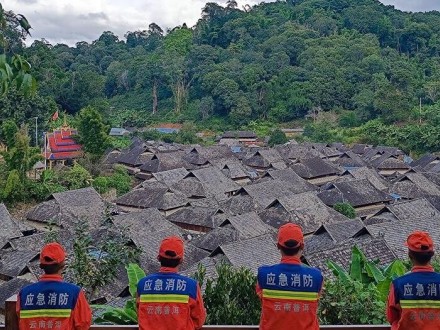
(135, 274)
(384, 287)
(374, 271)
(339, 271)
(356, 266)
(395, 269)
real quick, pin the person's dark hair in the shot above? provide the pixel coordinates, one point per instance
(167, 262)
(51, 269)
(421, 258)
(292, 247)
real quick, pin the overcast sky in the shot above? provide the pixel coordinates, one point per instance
(66, 21)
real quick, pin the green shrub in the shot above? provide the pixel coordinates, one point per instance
(77, 177)
(351, 303)
(120, 142)
(13, 191)
(231, 297)
(101, 184)
(277, 137)
(345, 209)
(349, 119)
(120, 180)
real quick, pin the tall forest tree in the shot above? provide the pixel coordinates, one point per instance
(92, 132)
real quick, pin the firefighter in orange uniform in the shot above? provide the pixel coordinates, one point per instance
(51, 303)
(167, 300)
(414, 298)
(289, 291)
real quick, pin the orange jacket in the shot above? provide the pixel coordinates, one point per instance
(169, 301)
(53, 304)
(414, 300)
(289, 293)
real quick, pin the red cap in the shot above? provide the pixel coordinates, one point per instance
(52, 254)
(172, 244)
(288, 232)
(420, 241)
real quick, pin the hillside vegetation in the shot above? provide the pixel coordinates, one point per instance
(275, 62)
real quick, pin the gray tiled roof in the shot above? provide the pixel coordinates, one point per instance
(393, 164)
(165, 161)
(11, 288)
(257, 160)
(407, 189)
(251, 253)
(359, 148)
(160, 198)
(190, 187)
(296, 152)
(239, 204)
(308, 211)
(411, 215)
(319, 241)
(350, 159)
(203, 155)
(422, 183)
(200, 216)
(265, 193)
(366, 173)
(425, 160)
(314, 168)
(48, 212)
(9, 228)
(140, 225)
(216, 237)
(355, 192)
(248, 225)
(36, 242)
(344, 230)
(288, 175)
(275, 216)
(14, 262)
(171, 176)
(69, 207)
(373, 248)
(84, 204)
(135, 156)
(151, 241)
(234, 170)
(215, 182)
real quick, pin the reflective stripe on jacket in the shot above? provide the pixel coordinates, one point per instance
(289, 293)
(169, 301)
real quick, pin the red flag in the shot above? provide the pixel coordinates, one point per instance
(55, 115)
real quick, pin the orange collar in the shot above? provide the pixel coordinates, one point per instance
(427, 268)
(54, 277)
(291, 260)
(168, 270)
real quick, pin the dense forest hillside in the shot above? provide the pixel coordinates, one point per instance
(276, 61)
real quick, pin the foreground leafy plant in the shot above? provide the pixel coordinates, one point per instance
(351, 302)
(366, 272)
(128, 314)
(231, 298)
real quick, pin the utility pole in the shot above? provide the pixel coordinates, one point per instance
(45, 150)
(36, 131)
(420, 115)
